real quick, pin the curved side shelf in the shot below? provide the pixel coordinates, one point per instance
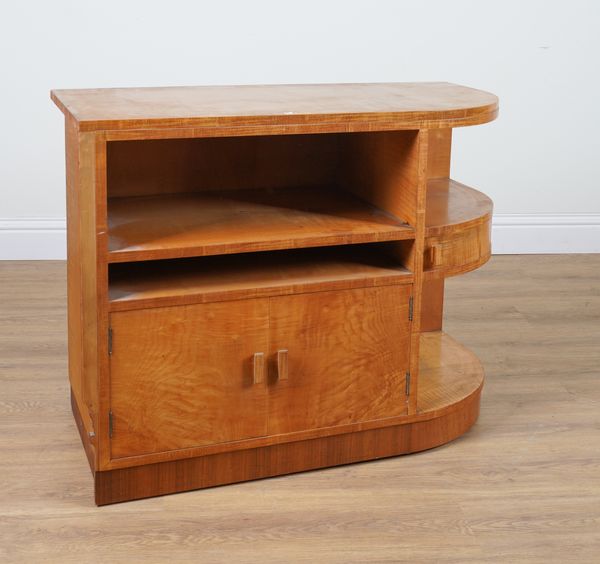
(449, 392)
(458, 225)
(449, 373)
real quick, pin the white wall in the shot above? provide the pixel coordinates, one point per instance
(537, 161)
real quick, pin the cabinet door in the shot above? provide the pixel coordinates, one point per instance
(183, 376)
(347, 355)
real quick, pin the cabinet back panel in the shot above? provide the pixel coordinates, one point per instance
(137, 168)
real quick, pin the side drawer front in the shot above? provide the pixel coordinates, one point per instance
(183, 377)
(346, 357)
(457, 250)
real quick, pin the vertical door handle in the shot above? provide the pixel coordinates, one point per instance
(259, 367)
(435, 253)
(282, 364)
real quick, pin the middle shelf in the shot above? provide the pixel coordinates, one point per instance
(239, 221)
(139, 285)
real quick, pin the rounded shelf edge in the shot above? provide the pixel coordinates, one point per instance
(458, 229)
(449, 392)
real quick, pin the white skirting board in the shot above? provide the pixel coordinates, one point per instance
(33, 239)
(516, 234)
(45, 238)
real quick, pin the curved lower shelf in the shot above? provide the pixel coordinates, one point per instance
(458, 225)
(449, 374)
(449, 391)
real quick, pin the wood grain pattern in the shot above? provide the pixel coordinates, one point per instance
(382, 168)
(346, 361)
(226, 468)
(451, 204)
(182, 377)
(389, 169)
(458, 229)
(403, 105)
(152, 167)
(432, 305)
(458, 252)
(363, 384)
(522, 486)
(98, 265)
(439, 149)
(85, 302)
(449, 373)
(243, 221)
(438, 166)
(184, 173)
(449, 405)
(74, 310)
(252, 275)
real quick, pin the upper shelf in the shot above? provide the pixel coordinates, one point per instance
(301, 108)
(451, 204)
(237, 221)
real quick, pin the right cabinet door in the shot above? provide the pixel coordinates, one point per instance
(338, 357)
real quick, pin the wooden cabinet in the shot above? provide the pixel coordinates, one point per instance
(255, 278)
(182, 376)
(194, 375)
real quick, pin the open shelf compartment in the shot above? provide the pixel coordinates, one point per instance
(176, 198)
(238, 221)
(208, 279)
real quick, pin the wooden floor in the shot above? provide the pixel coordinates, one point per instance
(522, 486)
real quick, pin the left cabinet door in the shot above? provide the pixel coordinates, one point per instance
(182, 377)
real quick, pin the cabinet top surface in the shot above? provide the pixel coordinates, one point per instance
(306, 108)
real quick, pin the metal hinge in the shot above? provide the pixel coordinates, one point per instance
(410, 308)
(408, 383)
(110, 340)
(110, 424)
